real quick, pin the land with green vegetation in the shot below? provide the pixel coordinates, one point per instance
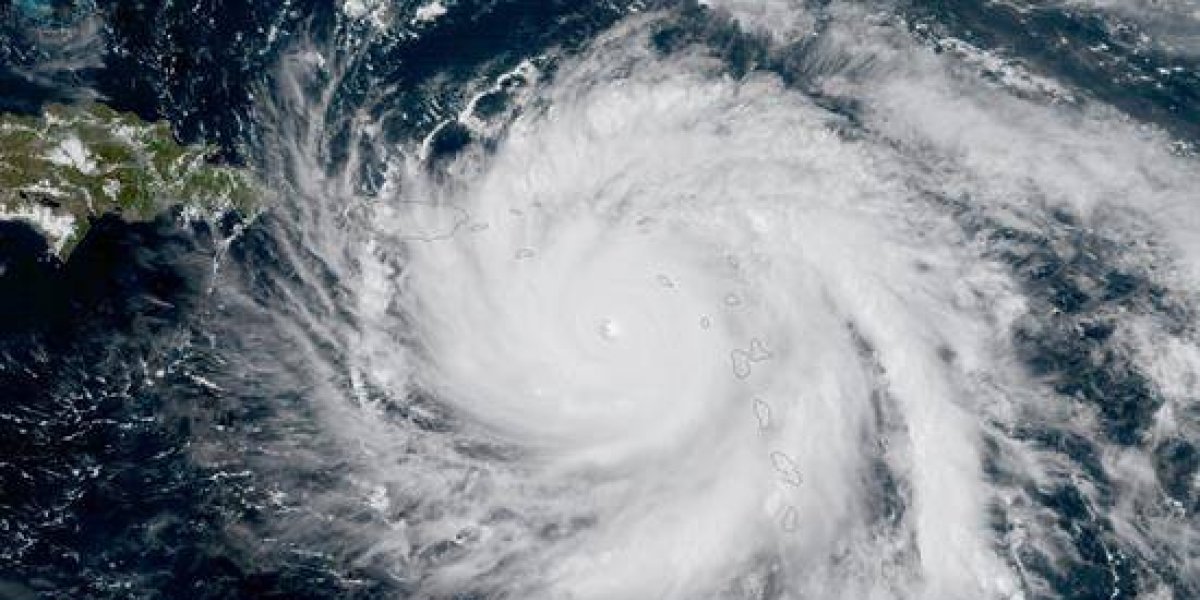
(70, 164)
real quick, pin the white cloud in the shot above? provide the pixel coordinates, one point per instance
(577, 319)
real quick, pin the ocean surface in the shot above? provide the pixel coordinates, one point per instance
(734, 299)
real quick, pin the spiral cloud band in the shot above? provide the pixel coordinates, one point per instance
(674, 329)
(622, 301)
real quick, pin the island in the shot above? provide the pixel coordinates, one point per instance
(74, 163)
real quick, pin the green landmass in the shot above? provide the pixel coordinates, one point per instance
(72, 163)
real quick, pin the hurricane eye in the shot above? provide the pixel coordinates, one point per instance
(609, 329)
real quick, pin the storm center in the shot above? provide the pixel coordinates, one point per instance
(609, 329)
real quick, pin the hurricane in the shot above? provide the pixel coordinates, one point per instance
(730, 299)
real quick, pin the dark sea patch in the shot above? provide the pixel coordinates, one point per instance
(48, 52)
(99, 497)
(1080, 290)
(196, 65)
(1100, 54)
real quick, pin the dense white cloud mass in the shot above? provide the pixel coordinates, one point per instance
(783, 19)
(696, 335)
